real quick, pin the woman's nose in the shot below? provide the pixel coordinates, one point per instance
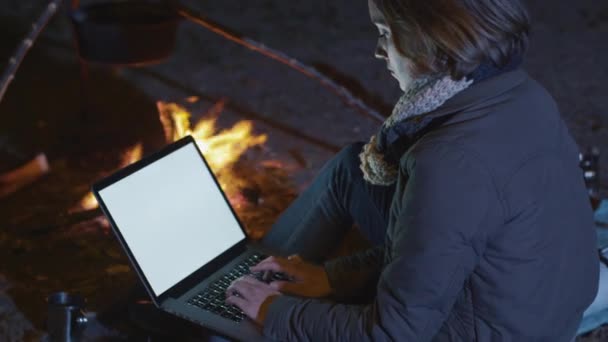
(380, 52)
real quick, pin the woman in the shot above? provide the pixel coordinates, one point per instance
(470, 193)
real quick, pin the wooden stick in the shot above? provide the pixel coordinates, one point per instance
(26, 44)
(280, 57)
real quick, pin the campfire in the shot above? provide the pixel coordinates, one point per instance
(243, 182)
(221, 150)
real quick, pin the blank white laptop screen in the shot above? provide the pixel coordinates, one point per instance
(172, 216)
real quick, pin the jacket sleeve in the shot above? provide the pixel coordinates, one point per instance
(352, 276)
(434, 248)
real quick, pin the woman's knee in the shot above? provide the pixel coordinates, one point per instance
(348, 158)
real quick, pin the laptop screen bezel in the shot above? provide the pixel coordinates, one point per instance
(204, 271)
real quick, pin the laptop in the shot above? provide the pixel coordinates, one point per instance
(181, 235)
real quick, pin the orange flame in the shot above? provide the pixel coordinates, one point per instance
(221, 150)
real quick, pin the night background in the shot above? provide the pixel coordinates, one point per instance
(52, 238)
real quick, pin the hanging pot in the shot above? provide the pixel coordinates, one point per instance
(129, 33)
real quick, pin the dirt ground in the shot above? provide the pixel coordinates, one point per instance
(305, 123)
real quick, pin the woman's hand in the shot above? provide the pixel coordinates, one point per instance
(252, 296)
(308, 280)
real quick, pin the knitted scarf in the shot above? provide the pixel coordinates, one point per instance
(407, 122)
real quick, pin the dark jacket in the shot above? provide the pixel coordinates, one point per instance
(490, 236)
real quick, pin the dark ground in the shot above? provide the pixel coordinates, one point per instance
(45, 249)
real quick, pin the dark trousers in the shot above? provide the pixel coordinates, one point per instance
(316, 222)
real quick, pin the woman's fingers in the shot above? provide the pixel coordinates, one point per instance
(267, 266)
(274, 264)
(236, 301)
(241, 286)
(251, 280)
(286, 286)
(245, 286)
(295, 258)
(253, 297)
(272, 260)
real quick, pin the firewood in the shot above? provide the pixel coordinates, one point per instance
(23, 175)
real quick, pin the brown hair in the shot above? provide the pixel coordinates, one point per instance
(455, 36)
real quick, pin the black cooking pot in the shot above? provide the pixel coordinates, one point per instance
(129, 33)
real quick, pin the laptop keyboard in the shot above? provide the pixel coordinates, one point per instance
(213, 298)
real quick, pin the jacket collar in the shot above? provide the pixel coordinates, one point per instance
(461, 107)
(482, 94)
